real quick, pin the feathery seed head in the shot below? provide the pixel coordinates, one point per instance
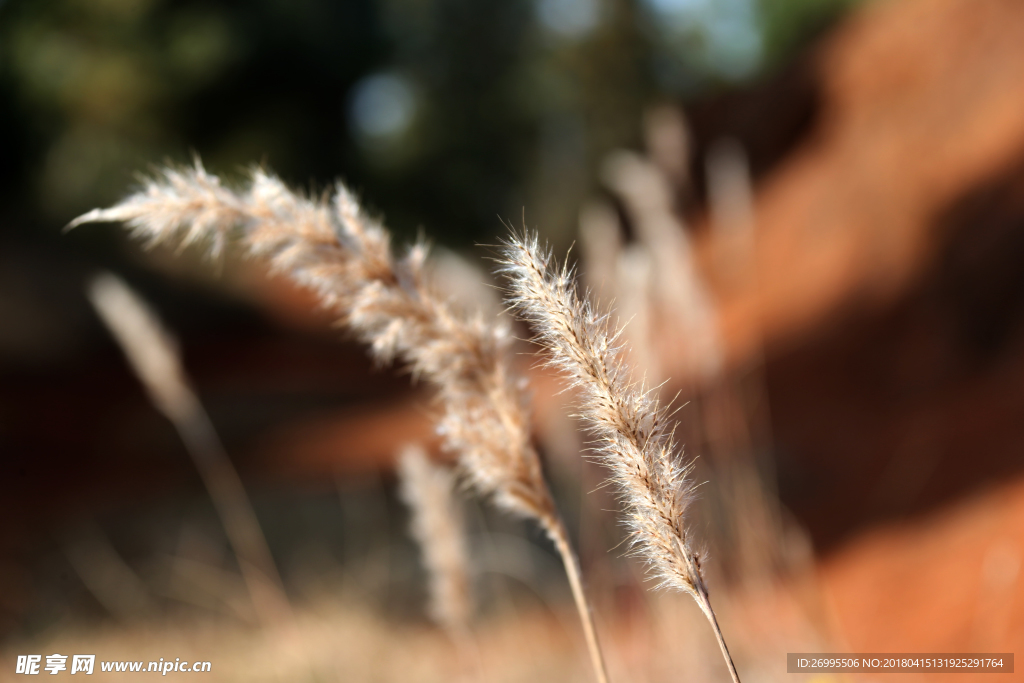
(632, 435)
(336, 250)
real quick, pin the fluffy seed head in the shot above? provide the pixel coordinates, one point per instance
(334, 248)
(633, 436)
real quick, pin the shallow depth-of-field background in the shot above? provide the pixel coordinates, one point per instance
(810, 212)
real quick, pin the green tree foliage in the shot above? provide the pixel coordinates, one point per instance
(444, 113)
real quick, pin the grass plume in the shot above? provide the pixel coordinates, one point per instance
(632, 431)
(345, 256)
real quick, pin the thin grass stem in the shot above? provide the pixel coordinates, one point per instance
(154, 357)
(559, 536)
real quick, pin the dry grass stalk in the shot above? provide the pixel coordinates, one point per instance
(738, 423)
(633, 436)
(153, 355)
(685, 306)
(110, 579)
(668, 142)
(634, 302)
(438, 528)
(343, 255)
(731, 200)
(600, 236)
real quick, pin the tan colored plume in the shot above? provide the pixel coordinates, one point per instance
(345, 256)
(632, 432)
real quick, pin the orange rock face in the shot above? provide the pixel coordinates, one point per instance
(888, 294)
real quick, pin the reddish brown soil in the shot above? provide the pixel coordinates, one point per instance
(888, 295)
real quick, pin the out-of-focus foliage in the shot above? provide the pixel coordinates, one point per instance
(786, 25)
(446, 113)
